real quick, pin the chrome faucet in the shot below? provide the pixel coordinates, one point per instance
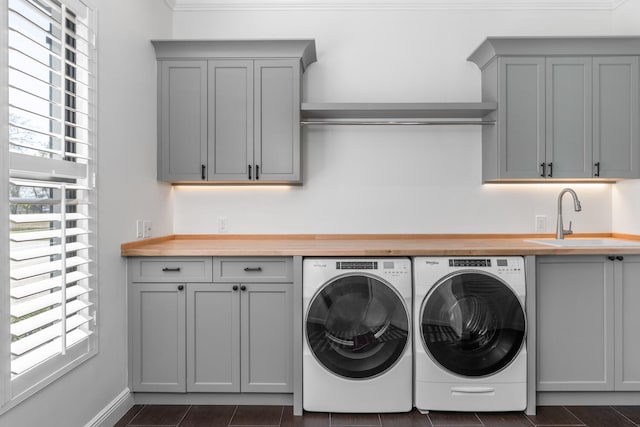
(560, 231)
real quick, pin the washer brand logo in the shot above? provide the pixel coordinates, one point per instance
(320, 264)
(432, 262)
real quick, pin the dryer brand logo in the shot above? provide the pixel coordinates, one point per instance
(320, 265)
(432, 262)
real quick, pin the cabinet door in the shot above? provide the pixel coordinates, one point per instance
(267, 332)
(157, 314)
(569, 117)
(213, 337)
(183, 118)
(575, 323)
(616, 116)
(230, 95)
(277, 120)
(627, 321)
(521, 117)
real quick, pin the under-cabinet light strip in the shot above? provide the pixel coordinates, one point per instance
(395, 122)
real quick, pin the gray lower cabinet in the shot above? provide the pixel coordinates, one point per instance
(563, 111)
(157, 319)
(157, 332)
(585, 342)
(239, 337)
(195, 331)
(627, 319)
(229, 112)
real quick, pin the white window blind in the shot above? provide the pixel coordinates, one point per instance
(52, 194)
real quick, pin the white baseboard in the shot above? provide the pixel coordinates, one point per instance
(110, 414)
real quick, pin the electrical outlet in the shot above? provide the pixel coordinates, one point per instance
(541, 223)
(139, 232)
(146, 226)
(223, 224)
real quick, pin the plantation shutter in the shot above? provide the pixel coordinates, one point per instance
(52, 195)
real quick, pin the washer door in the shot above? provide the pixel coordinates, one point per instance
(472, 324)
(357, 326)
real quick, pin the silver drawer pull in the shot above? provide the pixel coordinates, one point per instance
(253, 269)
(167, 269)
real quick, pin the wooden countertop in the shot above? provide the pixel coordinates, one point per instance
(362, 245)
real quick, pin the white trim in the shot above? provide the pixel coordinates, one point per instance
(5, 336)
(110, 414)
(233, 5)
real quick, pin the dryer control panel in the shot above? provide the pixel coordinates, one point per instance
(507, 265)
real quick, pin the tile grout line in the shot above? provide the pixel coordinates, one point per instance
(479, 419)
(576, 417)
(623, 415)
(235, 410)
(134, 416)
(184, 416)
(281, 415)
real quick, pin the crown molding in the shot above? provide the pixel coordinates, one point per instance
(233, 5)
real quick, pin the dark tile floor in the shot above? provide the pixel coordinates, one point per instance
(230, 416)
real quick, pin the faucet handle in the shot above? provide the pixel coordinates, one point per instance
(569, 231)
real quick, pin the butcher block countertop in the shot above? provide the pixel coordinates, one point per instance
(361, 245)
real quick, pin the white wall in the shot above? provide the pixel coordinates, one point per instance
(392, 179)
(626, 195)
(127, 190)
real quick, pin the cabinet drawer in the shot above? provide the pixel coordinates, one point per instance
(253, 269)
(171, 269)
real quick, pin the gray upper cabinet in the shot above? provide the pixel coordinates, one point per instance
(521, 121)
(568, 102)
(182, 130)
(615, 117)
(587, 323)
(567, 108)
(277, 121)
(230, 119)
(229, 111)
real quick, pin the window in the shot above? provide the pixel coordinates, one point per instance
(49, 181)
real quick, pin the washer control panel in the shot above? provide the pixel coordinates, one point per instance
(391, 268)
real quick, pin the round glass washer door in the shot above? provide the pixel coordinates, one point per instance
(472, 324)
(357, 326)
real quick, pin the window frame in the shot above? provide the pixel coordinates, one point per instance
(14, 391)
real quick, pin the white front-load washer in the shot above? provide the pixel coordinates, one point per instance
(357, 346)
(470, 330)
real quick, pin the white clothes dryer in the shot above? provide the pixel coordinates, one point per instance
(357, 346)
(470, 330)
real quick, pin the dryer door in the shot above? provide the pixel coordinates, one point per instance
(472, 324)
(357, 326)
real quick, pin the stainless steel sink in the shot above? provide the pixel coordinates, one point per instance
(578, 242)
